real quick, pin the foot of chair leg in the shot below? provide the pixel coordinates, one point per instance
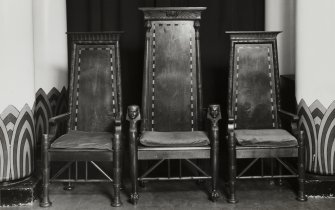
(215, 195)
(232, 199)
(134, 198)
(280, 182)
(272, 182)
(117, 203)
(68, 187)
(301, 197)
(45, 204)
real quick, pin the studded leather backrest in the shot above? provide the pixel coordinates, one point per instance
(254, 93)
(95, 95)
(171, 77)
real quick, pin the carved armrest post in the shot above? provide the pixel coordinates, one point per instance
(214, 115)
(45, 145)
(117, 161)
(232, 160)
(299, 134)
(294, 120)
(133, 116)
(54, 123)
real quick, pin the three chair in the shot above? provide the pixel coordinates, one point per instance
(172, 117)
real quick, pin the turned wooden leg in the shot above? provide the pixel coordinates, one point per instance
(134, 169)
(215, 156)
(69, 186)
(301, 168)
(45, 202)
(214, 115)
(117, 170)
(232, 168)
(133, 115)
(280, 180)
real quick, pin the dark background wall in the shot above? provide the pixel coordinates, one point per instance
(220, 16)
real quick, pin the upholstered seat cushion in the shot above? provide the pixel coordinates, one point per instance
(192, 138)
(265, 137)
(84, 140)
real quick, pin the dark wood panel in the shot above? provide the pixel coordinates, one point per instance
(172, 74)
(254, 86)
(95, 102)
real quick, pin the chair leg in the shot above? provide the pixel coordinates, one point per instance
(215, 155)
(301, 168)
(117, 162)
(134, 168)
(69, 186)
(232, 168)
(45, 202)
(280, 180)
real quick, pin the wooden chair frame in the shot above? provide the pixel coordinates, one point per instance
(240, 152)
(91, 39)
(140, 152)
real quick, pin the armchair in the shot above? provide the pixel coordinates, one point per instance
(172, 115)
(94, 121)
(254, 126)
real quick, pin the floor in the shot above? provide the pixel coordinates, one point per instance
(182, 195)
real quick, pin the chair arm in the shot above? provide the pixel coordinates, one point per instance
(118, 125)
(59, 118)
(230, 124)
(214, 115)
(53, 125)
(133, 116)
(293, 117)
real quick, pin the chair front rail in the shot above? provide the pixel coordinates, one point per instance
(174, 178)
(81, 180)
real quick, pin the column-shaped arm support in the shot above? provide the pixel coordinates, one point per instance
(214, 115)
(231, 160)
(117, 161)
(133, 116)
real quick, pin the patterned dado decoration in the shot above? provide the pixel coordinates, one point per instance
(21, 131)
(47, 106)
(17, 143)
(318, 123)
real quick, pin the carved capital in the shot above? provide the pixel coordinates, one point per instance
(214, 113)
(172, 13)
(133, 113)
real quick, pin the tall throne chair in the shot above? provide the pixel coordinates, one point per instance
(172, 116)
(94, 120)
(255, 130)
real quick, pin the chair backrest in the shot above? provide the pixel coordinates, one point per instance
(254, 80)
(95, 81)
(172, 78)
